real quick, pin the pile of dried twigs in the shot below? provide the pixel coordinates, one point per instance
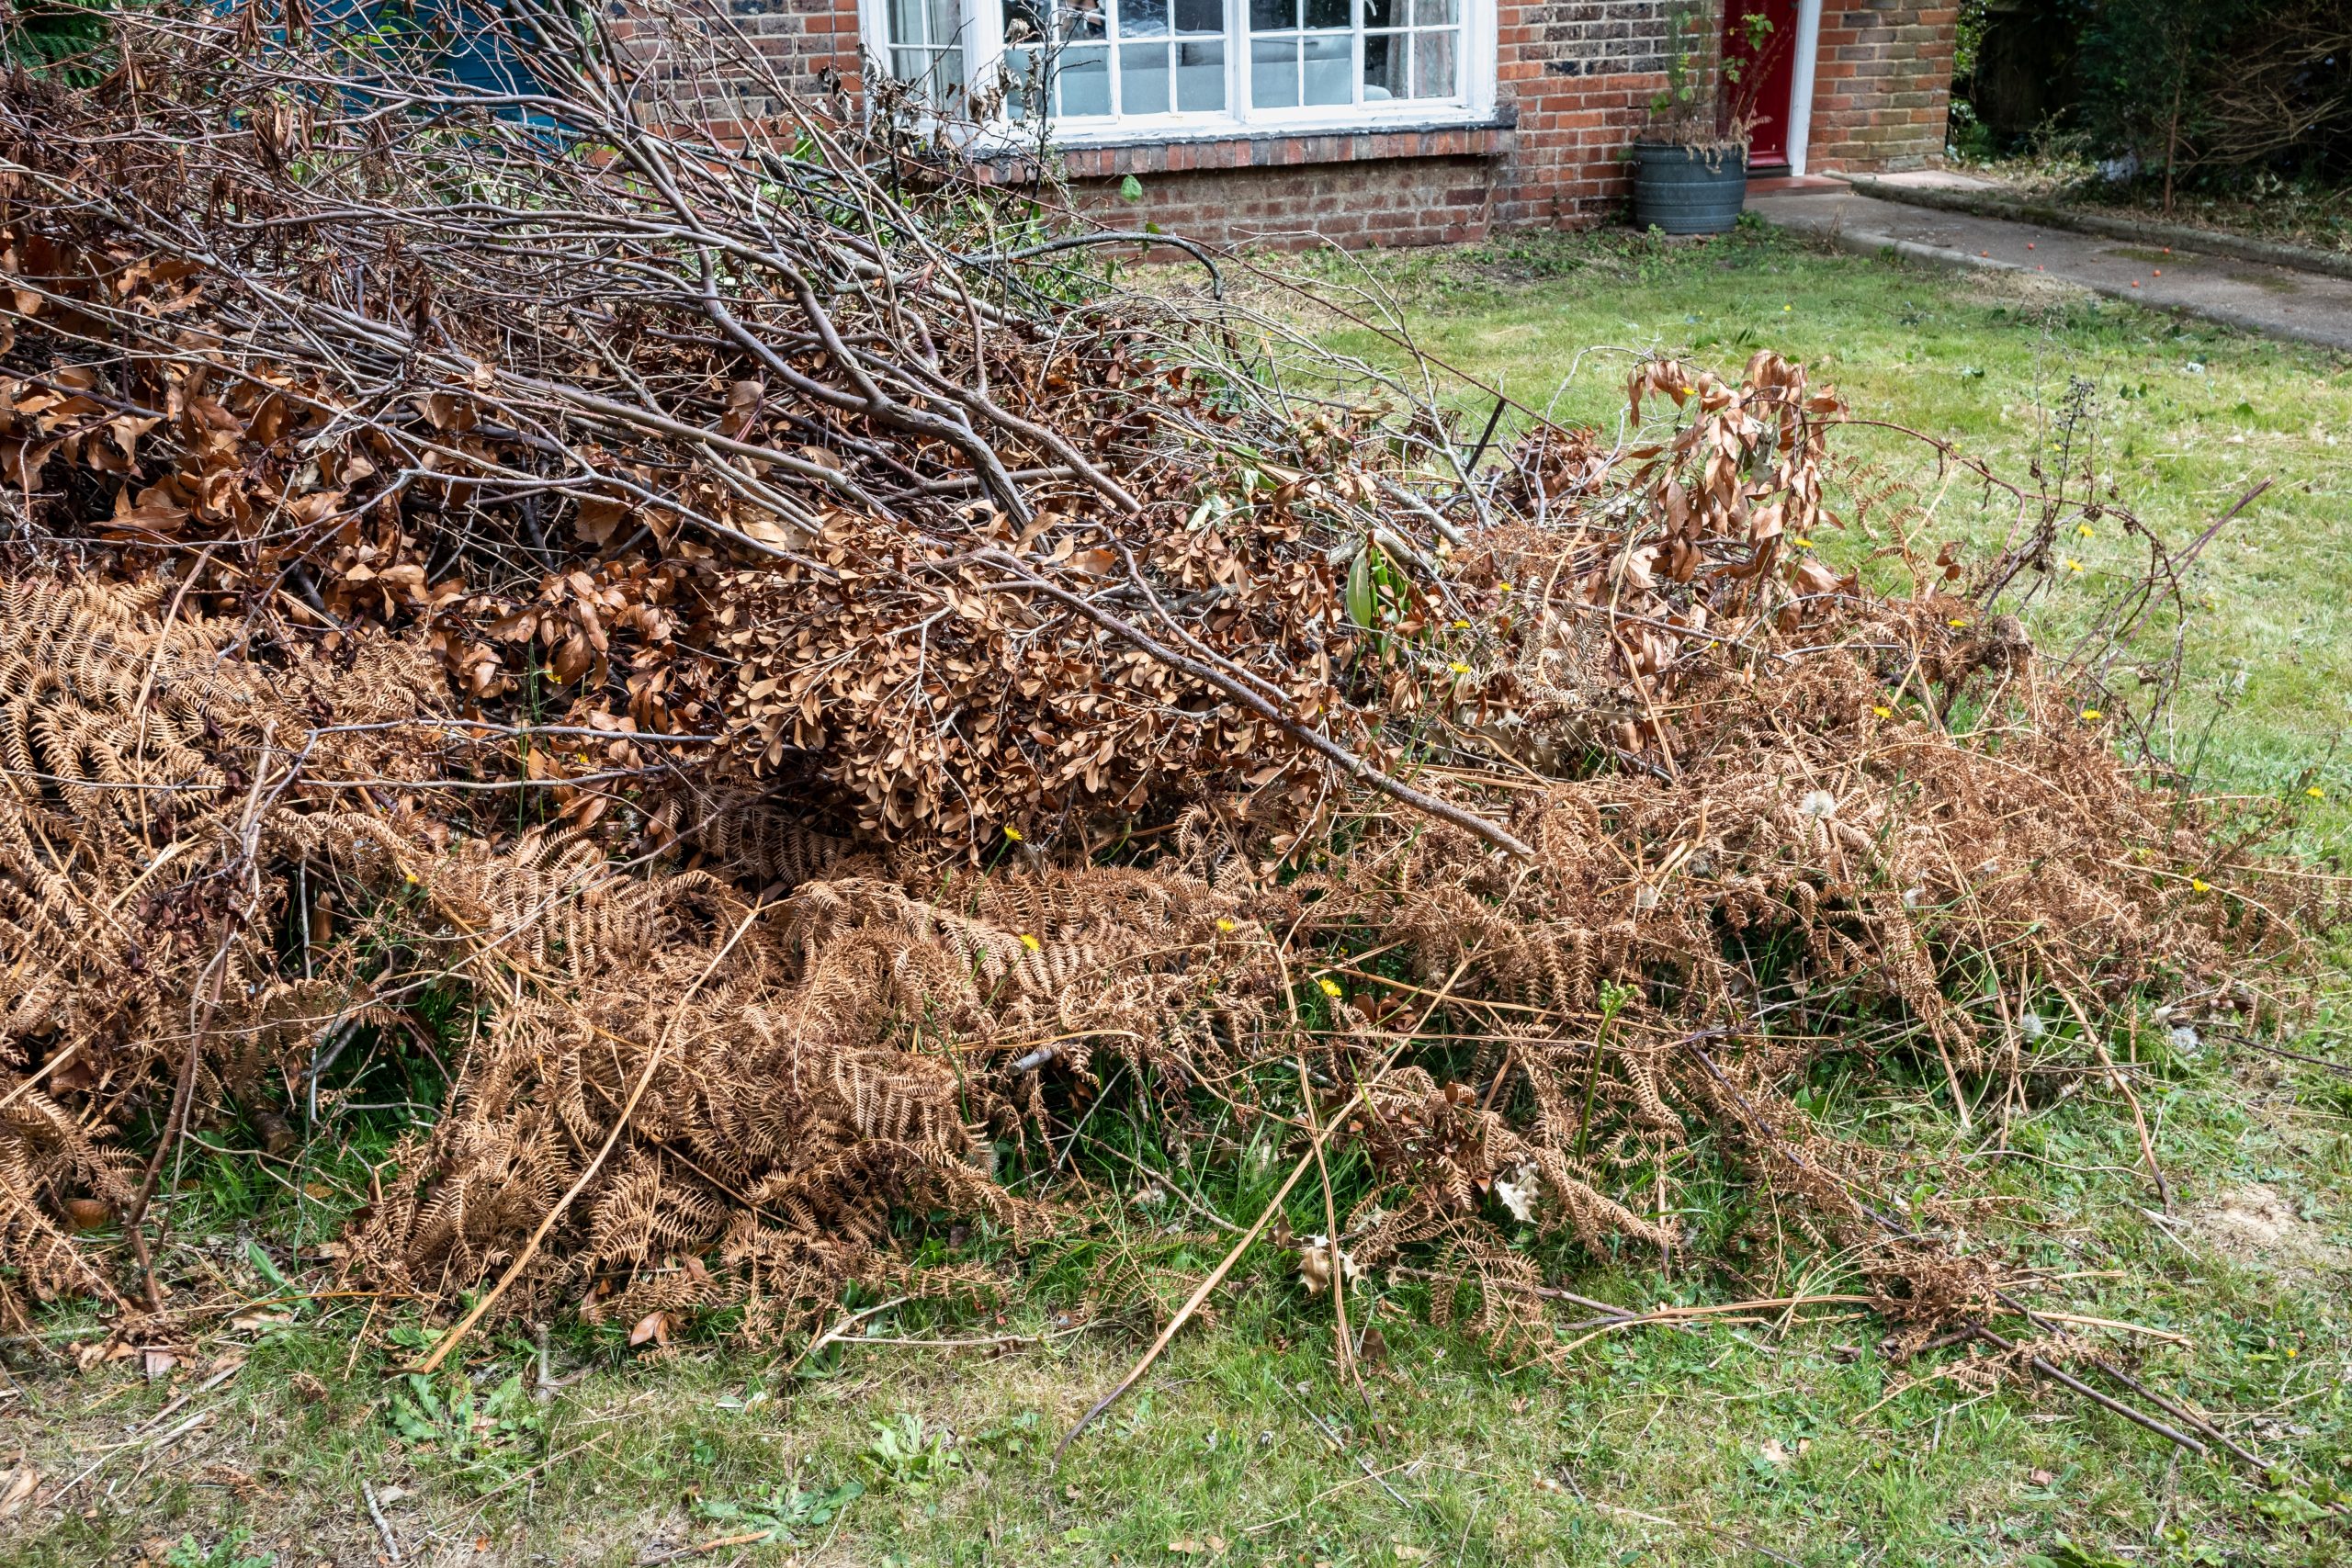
(824, 682)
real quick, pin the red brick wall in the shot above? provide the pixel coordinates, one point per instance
(1422, 202)
(1573, 79)
(1881, 85)
(809, 47)
(1387, 189)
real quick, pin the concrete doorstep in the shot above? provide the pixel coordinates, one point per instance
(2259, 296)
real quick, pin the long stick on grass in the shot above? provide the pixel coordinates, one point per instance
(2115, 1078)
(1200, 1293)
(1193, 1305)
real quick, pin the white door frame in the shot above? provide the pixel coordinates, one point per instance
(1808, 45)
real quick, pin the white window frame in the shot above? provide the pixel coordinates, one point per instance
(874, 23)
(982, 34)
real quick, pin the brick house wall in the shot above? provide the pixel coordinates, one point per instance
(1881, 86)
(1573, 81)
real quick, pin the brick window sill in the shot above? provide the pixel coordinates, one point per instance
(1280, 149)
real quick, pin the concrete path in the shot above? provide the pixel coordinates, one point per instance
(2281, 302)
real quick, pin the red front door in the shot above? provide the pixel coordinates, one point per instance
(1766, 58)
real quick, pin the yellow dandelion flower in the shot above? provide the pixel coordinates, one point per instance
(2091, 715)
(2198, 884)
(1013, 833)
(1459, 668)
(1225, 926)
(1462, 626)
(1330, 986)
(2316, 792)
(1956, 623)
(1800, 541)
(2087, 531)
(1032, 944)
(1884, 712)
(1504, 586)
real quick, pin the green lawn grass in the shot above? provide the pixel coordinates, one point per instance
(1753, 1441)
(2182, 420)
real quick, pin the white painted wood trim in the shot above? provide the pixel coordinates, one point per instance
(1808, 46)
(983, 47)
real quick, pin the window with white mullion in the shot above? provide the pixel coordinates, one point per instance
(1123, 59)
(1302, 54)
(1320, 55)
(1119, 68)
(925, 39)
(1412, 50)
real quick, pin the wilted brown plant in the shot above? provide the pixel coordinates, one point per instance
(935, 680)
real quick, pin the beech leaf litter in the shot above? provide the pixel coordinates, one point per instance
(749, 650)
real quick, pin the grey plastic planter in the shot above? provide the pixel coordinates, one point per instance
(1683, 192)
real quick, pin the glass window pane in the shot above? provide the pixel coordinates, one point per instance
(1426, 13)
(1020, 80)
(1433, 72)
(946, 20)
(906, 26)
(1383, 66)
(1267, 15)
(1383, 13)
(1080, 20)
(1328, 64)
(1273, 74)
(1200, 16)
(1084, 78)
(1142, 19)
(1200, 78)
(1143, 78)
(1330, 13)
